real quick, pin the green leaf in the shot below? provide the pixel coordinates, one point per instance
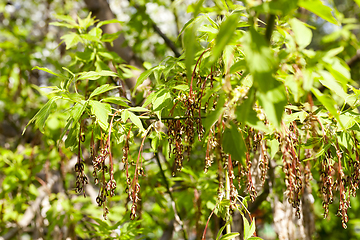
(254, 238)
(42, 115)
(161, 100)
(78, 110)
(221, 230)
(278, 7)
(226, 32)
(91, 75)
(72, 138)
(136, 120)
(329, 104)
(102, 89)
(273, 102)
(330, 82)
(182, 87)
(191, 46)
(149, 99)
(246, 227)
(213, 117)
(260, 60)
(357, 2)
(143, 76)
(251, 230)
(71, 39)
(229, 236)
(125, 115)
(65, 129)
(303, 35)
(238, 66)
(101, 112)
(86, 22)
(138, 109)
(233, 143)
(274, 147)
(318, 8)
(102, 23)
(49, 71)
(90, 37)
(66, 18)
(116, 100)
(243, 110)
(60, 24)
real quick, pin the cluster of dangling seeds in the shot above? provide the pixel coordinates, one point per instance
(175, 132)
(81, 178)
(327, 184)
(291, 167)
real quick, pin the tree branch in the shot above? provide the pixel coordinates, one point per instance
(352, 61)
(102, 11)
(270, 27)
(168, 42)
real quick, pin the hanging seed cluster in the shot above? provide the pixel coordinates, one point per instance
(81, 178)
(327, 184)
(291, 167)
(101, 170)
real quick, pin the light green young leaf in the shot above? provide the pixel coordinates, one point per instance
(102, 23)
(251, 230)
(66, 18)
(90, 37)
(49, 71)
(357, 2)
(91, 75)
(86, 22)
(61, 24)
(102, 89)
(303, 35)
(71, 39)
(136, 120)
(318, 8)
(138, 109)
(246, 227)
(274, 147)
(229, 236)
(101, 112)
(182, 87)
(42, 115)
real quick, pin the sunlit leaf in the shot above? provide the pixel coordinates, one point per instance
(102, 89)
(92, 75)
(101, 112)
(318, 8)
(303, 35)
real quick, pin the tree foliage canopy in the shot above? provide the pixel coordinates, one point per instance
(254, 107)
